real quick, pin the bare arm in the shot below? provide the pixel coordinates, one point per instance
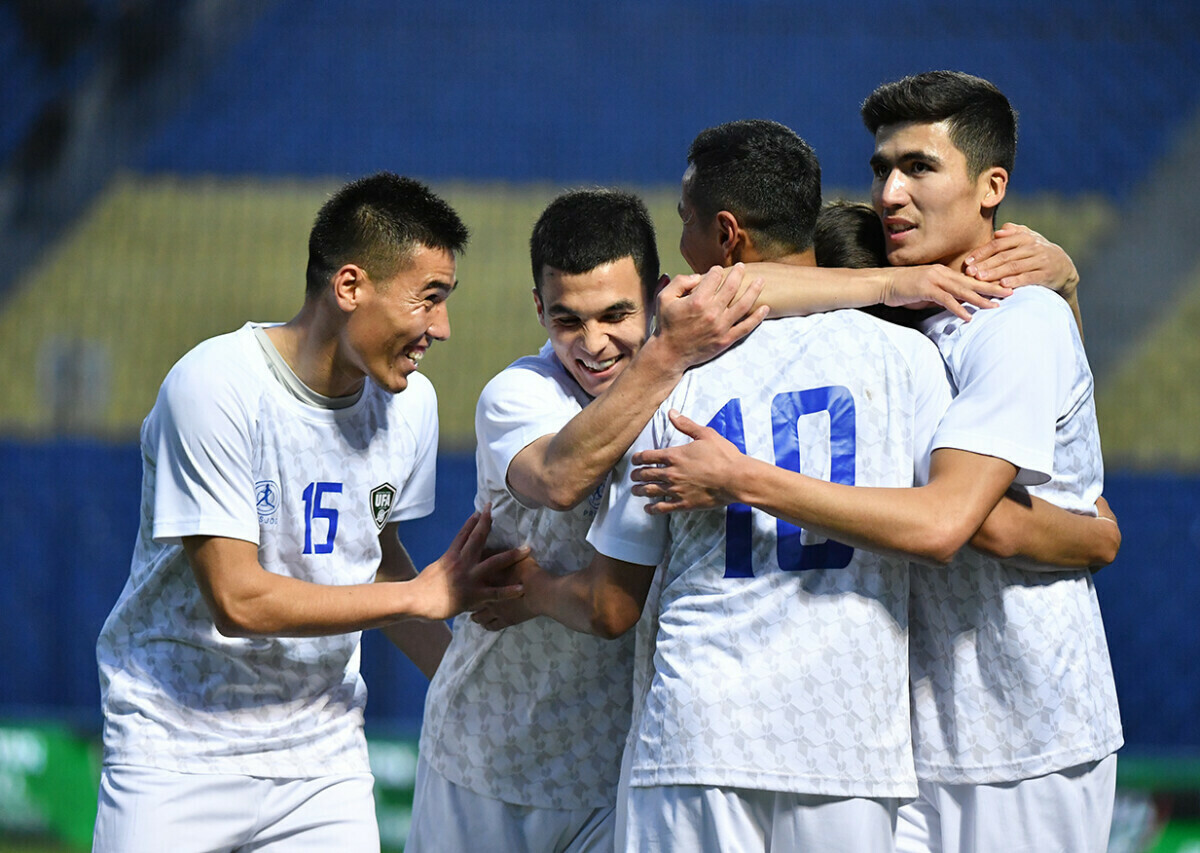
(697, 319)
(1043, 537)
(792, 290)
(605, 598)
(423, 642)
(248, 601)
(930, 522)
(1018, 256)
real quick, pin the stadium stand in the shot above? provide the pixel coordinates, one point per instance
(147, 205)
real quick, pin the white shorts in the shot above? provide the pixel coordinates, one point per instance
(147, 810)
(448, 818)
(1065, 812)
(697, 818)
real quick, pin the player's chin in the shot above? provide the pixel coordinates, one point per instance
(394, 382)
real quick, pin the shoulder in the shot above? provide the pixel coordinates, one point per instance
(534, 377)
(1031, 308)
(216, 370)
(416, 406)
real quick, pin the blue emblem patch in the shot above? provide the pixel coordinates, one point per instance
(266, 497)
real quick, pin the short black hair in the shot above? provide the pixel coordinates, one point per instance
(982, 123)
(378, 222)
(582, 229)
(764, 174)
(848, 234)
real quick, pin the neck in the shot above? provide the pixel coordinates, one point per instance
(309, 343)
(807, 258)
(957, 260)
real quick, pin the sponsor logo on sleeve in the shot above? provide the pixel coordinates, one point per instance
(266, 498)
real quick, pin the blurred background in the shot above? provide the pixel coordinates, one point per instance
(161, 162)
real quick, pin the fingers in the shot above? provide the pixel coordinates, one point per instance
(651, 458)
(472, 547)
(506, 592)
(663, 507)
(731, 282)
(742, 303)
(464, 532)
(953, 304)
(489, 620)
(503, 560)
(679, 286)
(686, 425)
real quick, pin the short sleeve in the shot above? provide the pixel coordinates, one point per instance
(622, 529)
(1013, 368)
(198, 437)
(417, 495)
(517, 407)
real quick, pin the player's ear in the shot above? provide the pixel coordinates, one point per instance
(993, 184)
(347, 286)
(730, 233)
(537, 302)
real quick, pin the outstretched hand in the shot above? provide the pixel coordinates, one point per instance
(1017, 256)
(461, 579)
(702, 316)
(690, 476)
(496, 615)
(937, 285)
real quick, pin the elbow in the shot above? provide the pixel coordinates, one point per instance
(228, 626)
(939, 544)
(609, 623)
(996, 539)
(561, 498)
(235, 620)
(1108, 545)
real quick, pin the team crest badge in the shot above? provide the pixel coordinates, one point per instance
(381, 503)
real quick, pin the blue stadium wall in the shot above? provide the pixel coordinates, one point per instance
(71, 529)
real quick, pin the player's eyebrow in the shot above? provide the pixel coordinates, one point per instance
(879, 160)
(447, 286)
(620, 306)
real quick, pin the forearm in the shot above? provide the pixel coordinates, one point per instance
(247, 601)
(604, 599)
(561, 470)
(910, 522)
(285, 607)
(792, 290)
(424, 643)
(1044, 537)
(421, 641)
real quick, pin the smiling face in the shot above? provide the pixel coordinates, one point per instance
(932, 210)
(394, 321)
(597, 320)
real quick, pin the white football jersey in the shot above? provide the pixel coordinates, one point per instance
(1010, 668)
(780, 658)
(535, 714)
(228, 451)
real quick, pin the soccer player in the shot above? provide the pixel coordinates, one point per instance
(1015, 712)
(277, 461)
(772, 692)
(523, 730)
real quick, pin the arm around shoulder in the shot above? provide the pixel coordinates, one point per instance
(1044, 537)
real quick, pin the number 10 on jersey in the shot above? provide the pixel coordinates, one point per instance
(786, 410)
